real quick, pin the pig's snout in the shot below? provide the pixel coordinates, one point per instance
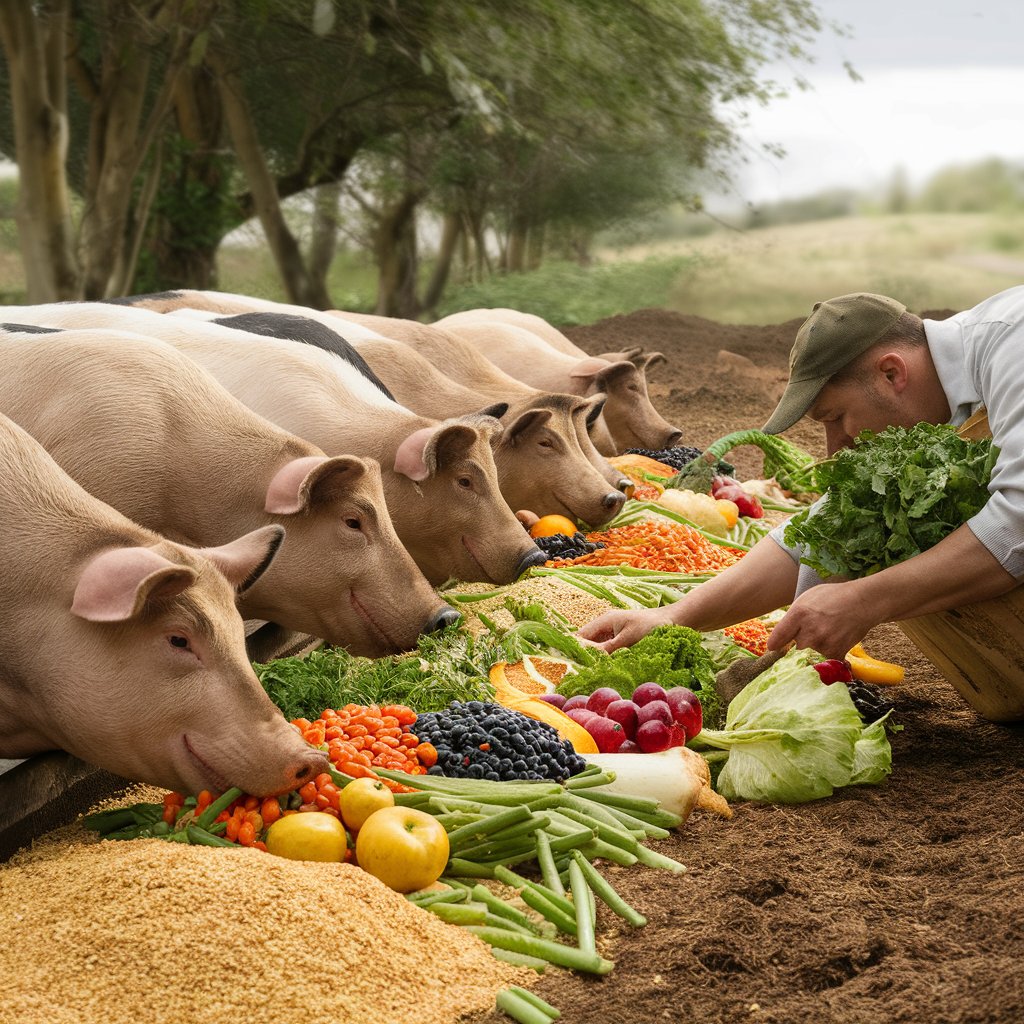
(530, 559)
(445, 616)
(625, 485)
(672, 439)
(613, 501)
(306, 767)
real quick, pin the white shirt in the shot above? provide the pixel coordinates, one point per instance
(979, 359)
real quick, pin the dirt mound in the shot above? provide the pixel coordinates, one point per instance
(899, 903)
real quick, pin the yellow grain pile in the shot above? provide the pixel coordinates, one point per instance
(575, 604)
(158, 932)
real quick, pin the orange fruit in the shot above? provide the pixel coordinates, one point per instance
(548, 526)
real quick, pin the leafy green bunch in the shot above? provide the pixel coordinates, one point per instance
(891, 496)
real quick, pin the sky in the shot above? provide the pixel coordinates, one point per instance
(943, 83)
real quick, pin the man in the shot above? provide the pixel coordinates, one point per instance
(862, 362)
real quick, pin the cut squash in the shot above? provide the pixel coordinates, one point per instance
(642, 463)
(513, 698)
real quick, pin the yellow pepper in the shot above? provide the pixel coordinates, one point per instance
(871, 670)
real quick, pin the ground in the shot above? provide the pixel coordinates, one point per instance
(900, 903)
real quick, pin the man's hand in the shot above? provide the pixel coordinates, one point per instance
(618, 629)
(829, 619)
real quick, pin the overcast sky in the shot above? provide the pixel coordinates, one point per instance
(943, 83)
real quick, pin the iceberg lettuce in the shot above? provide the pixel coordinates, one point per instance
(791, 738)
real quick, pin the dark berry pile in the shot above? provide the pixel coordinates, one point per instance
(559, 545)
(678, 457)
(869, 700)
(476, 740)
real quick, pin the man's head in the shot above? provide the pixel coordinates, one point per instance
(860, 362)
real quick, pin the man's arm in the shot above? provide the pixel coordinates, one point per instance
(832, 618)
(763, 580)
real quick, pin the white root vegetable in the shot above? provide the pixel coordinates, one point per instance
(678, 778)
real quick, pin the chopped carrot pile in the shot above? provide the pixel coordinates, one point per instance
(752, 634)
(668, 547)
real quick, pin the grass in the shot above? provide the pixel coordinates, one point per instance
(771, 275)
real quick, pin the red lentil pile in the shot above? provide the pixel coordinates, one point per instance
(668, 547)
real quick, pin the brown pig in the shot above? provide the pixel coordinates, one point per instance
(125, 648)
(538, 456)
(439, 479)
(145, 429)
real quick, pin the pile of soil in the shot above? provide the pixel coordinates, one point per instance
(897, 903)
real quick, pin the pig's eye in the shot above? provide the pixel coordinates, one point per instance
(181, 642)
(546, 443)
(353, 524)
(466, 482)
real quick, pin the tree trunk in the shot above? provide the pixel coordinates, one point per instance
(300, 287)
(323, 243)
(451, 229)
(34, 46)
(515, 250)
(535, 246)
(397, 258)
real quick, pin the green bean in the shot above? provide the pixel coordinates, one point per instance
(519, 959)
(658, 860)
(201, 837)
(565, 843)
(471, 834)
(570, 801)
(633, 804)
(506, 835)
(459, 913)
(546, 860)
(605, 892)
(497, 921)
(500, 908)
(519, 1009)
(581, 901)
(588, 772)
(599, 848)
(607, 833)
(554, 952)
(637, 824)
(228, 797)
(536, 1000)
(537, 901)
(514, 881)
(448, 896)
(467, 869)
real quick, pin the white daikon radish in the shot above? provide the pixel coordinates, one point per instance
(678, 778)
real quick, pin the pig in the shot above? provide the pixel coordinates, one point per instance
(125, 648)
(540, 463)
(632, 421)
(454, 357)
(145, 429)
(528, 321)
(439, 479)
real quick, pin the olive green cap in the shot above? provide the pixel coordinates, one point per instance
(837, 331)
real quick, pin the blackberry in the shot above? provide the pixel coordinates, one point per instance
(559, 545)
(869, 700)
(679, 457)
(514, 746)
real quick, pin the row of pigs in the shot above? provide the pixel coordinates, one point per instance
(317, 472)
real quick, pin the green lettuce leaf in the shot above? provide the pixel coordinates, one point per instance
(792, 739)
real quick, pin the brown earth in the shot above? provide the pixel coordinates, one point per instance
(898, 903)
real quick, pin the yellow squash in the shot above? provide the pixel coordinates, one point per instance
(510, 697)
(871, 670)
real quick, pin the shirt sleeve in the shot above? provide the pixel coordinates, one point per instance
(806, 576)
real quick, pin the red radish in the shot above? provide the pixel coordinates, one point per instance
(624, 712)
(581, 716)
(686, 710)
(579, 701)
(655, 711)
(608, 735)
(646, 692)
(834, 671)
(678, 735)
(653, 736)
(629, 747)
(601, 698)
(552, 698)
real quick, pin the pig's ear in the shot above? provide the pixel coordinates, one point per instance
(650, 359)
(633, 355)
(612, 373)
(450, 442)
(299, 483)
(245, 560)
(592, 408)
(496, 411)
(589, 367)
(527, 421)
(116, 585)
(410, 459)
